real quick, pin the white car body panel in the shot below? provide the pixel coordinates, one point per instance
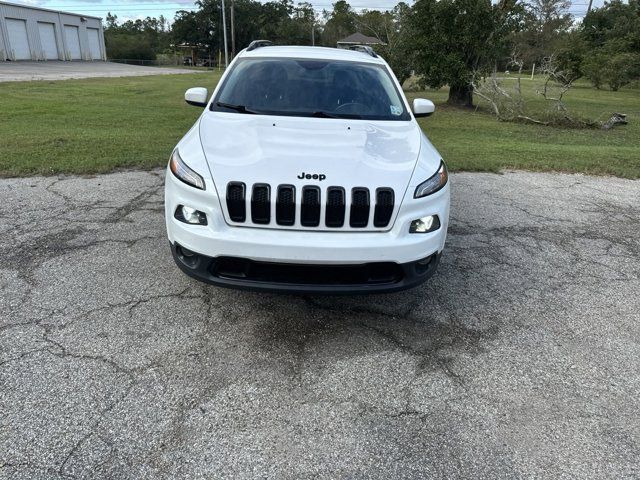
(225, 147)
(277, 150)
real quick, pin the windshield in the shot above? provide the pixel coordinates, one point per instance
(310, 88)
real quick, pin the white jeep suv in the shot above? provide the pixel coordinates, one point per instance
(307, 172)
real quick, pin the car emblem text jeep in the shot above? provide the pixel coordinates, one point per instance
(314, 176)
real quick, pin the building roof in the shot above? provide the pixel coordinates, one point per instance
(320, 53)
(360, 39)
(35, 7)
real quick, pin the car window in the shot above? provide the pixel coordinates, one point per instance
(302, 87)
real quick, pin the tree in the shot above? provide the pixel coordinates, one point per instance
(141, 39)
(611, 35)
(391, 28)
(453, 39)
(546, 23)
(339, 23)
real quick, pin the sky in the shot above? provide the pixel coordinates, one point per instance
(133, 9)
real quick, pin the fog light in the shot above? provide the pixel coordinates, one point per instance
(190, 215)
(425, 224)
(186, 252)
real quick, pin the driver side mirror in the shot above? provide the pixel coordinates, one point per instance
(197, 96)
(423, 107)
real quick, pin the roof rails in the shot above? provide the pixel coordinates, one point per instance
(364, 49)
(259, 43)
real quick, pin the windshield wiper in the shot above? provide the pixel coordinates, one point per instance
(237, 108)
(322, 114)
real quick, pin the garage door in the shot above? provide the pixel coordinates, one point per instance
(18, 40)
(48, 40)
(94, 43)
(73, 42)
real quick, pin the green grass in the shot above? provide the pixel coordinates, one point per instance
(94, 125)
(100, 125)
(475, 140)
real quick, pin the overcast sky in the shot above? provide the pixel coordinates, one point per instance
(131, 9)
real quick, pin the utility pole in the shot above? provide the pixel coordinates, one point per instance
(233, 32)
(224, 30)
(589, 7)
(313, 34)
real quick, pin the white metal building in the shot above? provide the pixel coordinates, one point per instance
(32, 33)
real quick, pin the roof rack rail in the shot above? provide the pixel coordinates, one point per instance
(259, 43)
(364, 49)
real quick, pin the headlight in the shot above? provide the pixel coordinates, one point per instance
(435, 183)
(183, 172)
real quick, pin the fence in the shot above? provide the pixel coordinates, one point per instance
(170, 60)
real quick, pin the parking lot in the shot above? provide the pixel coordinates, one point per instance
(520, 358)
(26, 71)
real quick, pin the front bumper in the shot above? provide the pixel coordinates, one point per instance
(218, 238)
(242, 273)
(268, 247)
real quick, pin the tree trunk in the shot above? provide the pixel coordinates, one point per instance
(461, 95)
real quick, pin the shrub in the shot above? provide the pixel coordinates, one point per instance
(614, 70)
(129, 46)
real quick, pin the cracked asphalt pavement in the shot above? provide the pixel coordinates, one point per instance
(519, 359)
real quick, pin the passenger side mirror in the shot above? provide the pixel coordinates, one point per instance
(423, 107)
(197, 96)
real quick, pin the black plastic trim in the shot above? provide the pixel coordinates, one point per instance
(359, 215)
(382, 213)
(260, 211)
(286, 212)
(258, 44)
(334, 214)
(310, 212)
(237, 208)
(238, 274)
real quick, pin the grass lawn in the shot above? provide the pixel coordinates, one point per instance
(475, 140)
(98, 125)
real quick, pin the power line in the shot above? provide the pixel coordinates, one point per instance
(149, 5)
(581, 10)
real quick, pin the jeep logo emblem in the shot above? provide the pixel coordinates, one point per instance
(310, 176)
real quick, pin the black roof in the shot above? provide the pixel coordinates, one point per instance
(360, 39)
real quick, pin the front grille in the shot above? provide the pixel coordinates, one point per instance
(261, 204)
(334, 215)
(384, 207)
(236, 201)
(359, 216)
(310, 212)
(309, 209)
(286, 205)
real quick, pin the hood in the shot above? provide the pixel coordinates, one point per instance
(335, 152)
